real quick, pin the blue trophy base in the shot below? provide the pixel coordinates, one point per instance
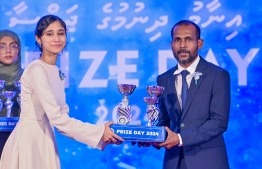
(140, 133)
(8, 123)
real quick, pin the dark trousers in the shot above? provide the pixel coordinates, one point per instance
(3, 137)
(181, 161)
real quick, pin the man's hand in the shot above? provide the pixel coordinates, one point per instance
(171, 141)
(109, 136)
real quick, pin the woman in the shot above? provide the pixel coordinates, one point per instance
(32, 143)
(11, 71)
(10, 66)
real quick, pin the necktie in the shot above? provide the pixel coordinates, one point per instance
(184, 73)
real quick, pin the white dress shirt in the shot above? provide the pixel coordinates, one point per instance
(178, 82)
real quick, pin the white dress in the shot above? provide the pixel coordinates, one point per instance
(32, 143)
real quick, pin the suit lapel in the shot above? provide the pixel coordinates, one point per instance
(202, 65)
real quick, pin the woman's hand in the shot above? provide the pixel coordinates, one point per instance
(109, 136)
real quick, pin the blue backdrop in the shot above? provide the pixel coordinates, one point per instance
(120, 41)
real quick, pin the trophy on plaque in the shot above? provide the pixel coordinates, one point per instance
(2, 85)
(9, 103)
(139, 133)
(18, 85)
(124, 110)
(152, 110)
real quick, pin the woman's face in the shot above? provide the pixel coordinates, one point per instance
(53, 39)
(9, 50)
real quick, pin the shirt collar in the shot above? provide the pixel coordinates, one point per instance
(191, 68)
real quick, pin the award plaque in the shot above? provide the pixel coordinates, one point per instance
(8, 123)
(149, 133)
(140, 133)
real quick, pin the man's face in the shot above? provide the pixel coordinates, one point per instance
(185, 44)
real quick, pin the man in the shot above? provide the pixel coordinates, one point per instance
(195, 124)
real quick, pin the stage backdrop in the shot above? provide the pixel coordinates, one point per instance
(120, 41)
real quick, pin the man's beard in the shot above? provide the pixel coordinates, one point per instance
(191, 57)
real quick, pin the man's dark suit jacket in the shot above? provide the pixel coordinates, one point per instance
(203, 120)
